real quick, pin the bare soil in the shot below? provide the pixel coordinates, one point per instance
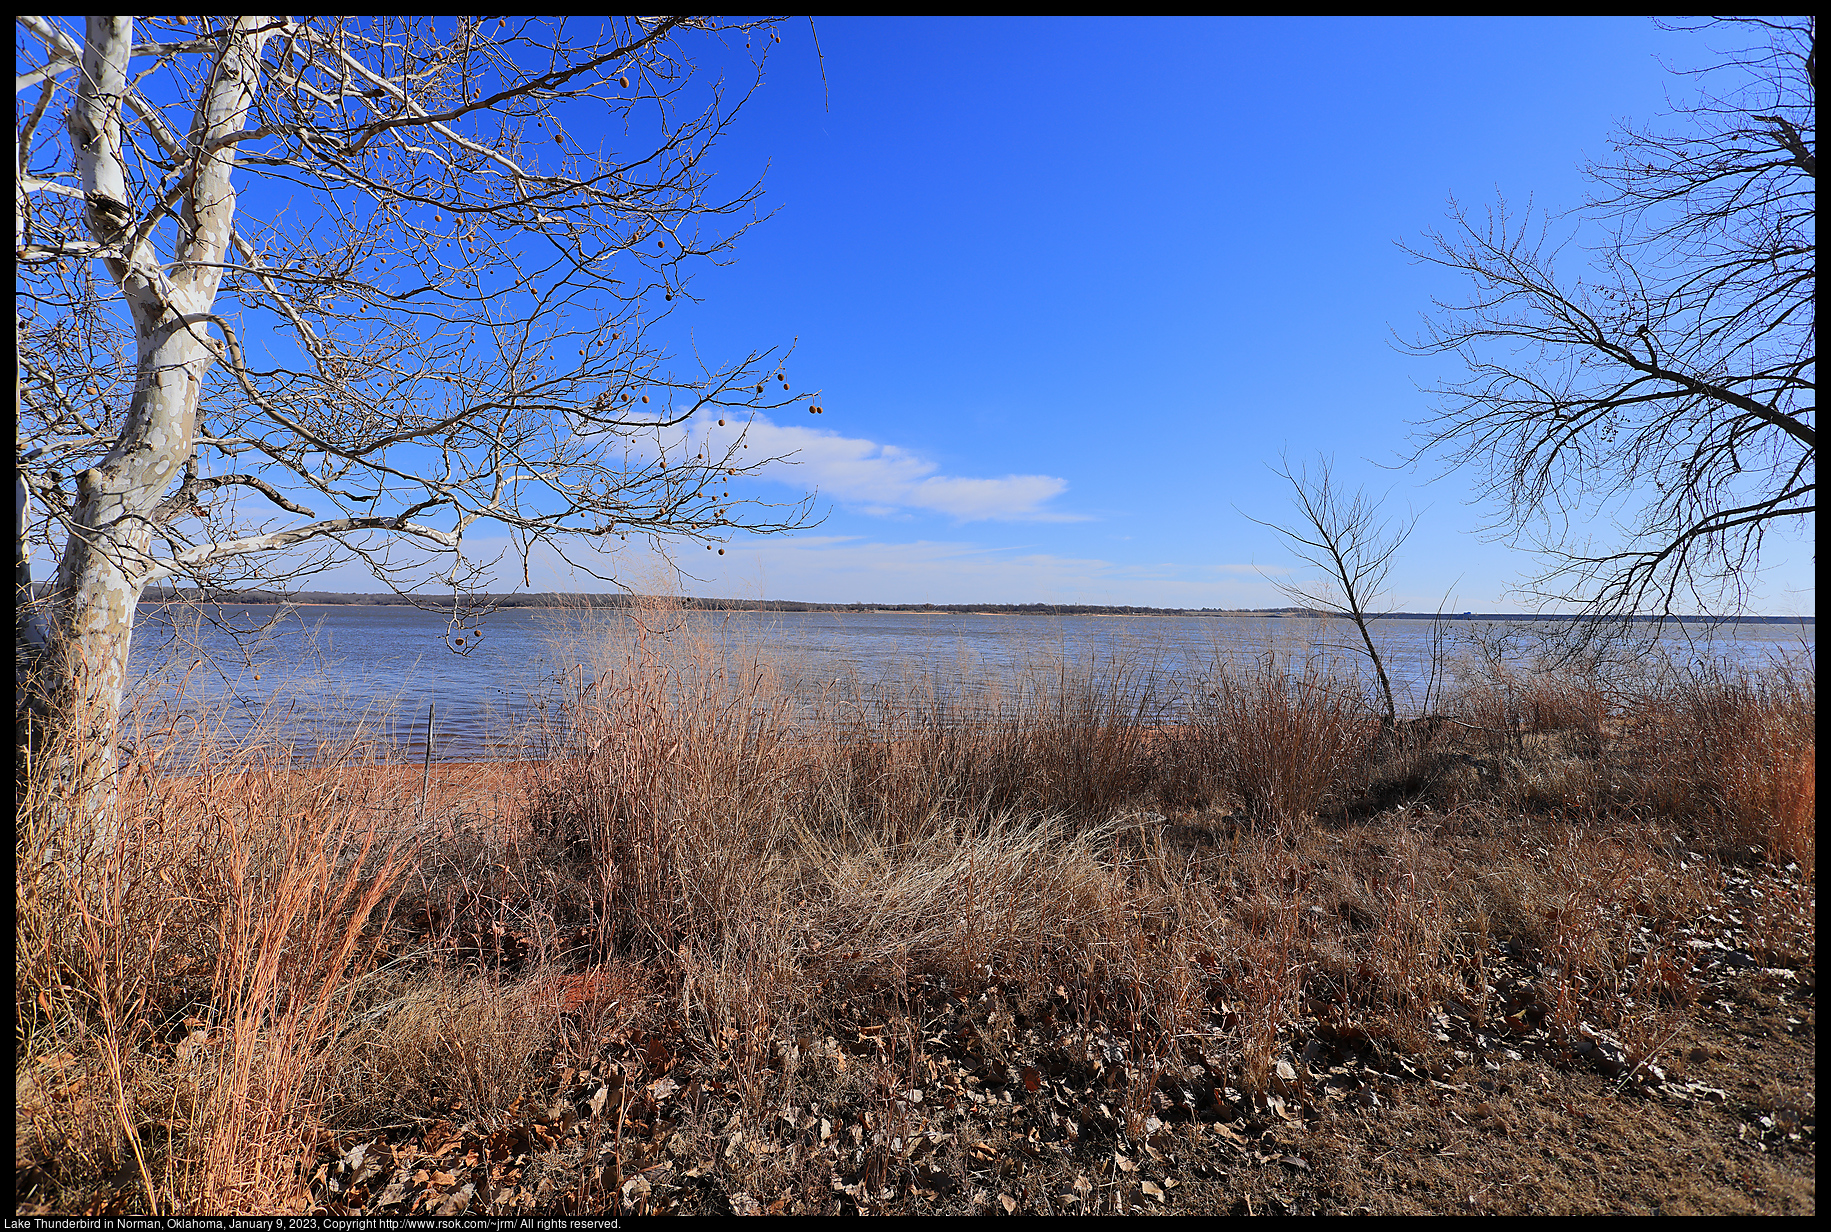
(905, 1093)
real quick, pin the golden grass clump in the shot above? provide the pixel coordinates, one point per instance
(178, 982)
(1738, 750)
(1286, 743)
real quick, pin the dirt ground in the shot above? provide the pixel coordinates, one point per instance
(1002, 1107)
(917, 1097)
(901, 1092)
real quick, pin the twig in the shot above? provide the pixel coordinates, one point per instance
(426, 766)
(1645, 1059)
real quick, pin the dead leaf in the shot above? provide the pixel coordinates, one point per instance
(1033, 1079)
(455, 1202)
(1008, 1202)
(1229, 1133)
(1152, 1188)
(661, 1088)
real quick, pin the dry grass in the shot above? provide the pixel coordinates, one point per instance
(708, 873)
(438, 1039)
(181, 981)
(1737, 752)
(1286, 744)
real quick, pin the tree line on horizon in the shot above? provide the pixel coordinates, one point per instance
(617, 600)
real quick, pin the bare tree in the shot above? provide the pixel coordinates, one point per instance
(1345, 536)
(1648, 419)
(294, 292)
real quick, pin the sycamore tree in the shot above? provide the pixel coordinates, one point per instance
(293, 292)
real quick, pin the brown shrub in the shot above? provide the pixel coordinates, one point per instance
(1286, 744)
(186, 975)
(1737, 750)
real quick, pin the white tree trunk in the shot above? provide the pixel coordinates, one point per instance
(107, 559)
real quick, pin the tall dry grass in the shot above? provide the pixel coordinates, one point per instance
(756, 843)
(1735, 750)
(1285, 743)
(273, 953)
(174, 987)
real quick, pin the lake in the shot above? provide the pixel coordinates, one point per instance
(317, 673)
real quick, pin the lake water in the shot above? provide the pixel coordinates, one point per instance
(321, 673)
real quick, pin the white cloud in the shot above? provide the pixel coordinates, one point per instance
(844, 569)
(847, 569)
(882, 479)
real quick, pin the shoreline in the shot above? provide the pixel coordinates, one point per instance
(787, 607)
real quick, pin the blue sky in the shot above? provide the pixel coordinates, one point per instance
(1068, 286)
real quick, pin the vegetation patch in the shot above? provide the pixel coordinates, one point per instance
(719, 949)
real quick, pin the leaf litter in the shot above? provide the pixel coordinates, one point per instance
(1004, 1098)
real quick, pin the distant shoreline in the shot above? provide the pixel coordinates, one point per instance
(614, 602)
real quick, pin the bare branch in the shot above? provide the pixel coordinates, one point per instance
(435, 310)
(1347, 539)
(1671, 387)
